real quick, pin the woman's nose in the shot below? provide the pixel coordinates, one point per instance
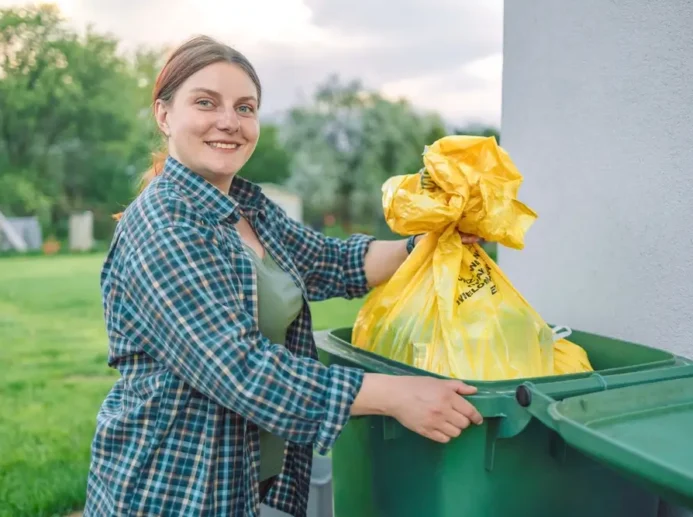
(229, 121)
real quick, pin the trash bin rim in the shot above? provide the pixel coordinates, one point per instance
(331, 341)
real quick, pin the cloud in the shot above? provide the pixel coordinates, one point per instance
(419, 33)
(468, 93)
(442, 54)
(237, 22)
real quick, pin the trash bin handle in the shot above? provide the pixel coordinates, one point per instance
(561, 332)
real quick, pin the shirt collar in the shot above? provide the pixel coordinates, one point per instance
(243, 193)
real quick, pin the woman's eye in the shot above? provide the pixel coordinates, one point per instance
(205, 103)
(245, 108)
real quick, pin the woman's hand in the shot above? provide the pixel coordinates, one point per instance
(467, 238)
(433, 408)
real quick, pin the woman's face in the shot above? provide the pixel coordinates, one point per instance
(211, 123)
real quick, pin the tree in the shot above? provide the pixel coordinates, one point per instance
(71, 123)
(479, 130)
(271, 161)
(348, 141)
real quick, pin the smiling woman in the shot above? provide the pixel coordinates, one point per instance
(210, 79)
(206, 292)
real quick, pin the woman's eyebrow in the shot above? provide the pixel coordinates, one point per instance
(213, 93)
(205, 90)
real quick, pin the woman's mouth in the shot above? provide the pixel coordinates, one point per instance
(223, 146)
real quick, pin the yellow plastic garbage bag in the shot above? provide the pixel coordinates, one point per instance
(449, 309)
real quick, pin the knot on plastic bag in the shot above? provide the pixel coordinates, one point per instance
(468, 181)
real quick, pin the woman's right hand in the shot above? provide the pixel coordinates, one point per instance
(434, 408)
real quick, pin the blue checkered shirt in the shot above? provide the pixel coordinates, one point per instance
(178, 433)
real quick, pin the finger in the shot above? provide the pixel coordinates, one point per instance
(450, 430)
(462, 388)
(466, 409)
(438, 436)
(458, 420)
(469, 239)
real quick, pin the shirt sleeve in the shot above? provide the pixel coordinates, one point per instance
(330, 267)
(200, 329)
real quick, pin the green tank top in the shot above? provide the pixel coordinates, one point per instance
(279, 303)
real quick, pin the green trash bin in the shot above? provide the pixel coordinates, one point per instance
(606, 443)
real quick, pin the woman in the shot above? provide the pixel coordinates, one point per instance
(219, 404)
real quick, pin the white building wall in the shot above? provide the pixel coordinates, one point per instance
(598, 116)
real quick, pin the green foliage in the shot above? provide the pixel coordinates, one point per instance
(70, 122)
(270, 162)
(19, 194)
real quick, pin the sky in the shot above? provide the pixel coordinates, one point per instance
(443, 55)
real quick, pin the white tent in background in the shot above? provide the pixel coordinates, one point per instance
(11, 235)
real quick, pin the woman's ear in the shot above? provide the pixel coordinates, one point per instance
(161, 116)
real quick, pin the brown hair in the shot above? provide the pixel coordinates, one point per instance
(188, 59)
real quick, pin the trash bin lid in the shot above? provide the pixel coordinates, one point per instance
(645, 431)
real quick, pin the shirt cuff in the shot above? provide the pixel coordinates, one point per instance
(355, 265)
(344, 386)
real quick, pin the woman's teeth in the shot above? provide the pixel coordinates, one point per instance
(220, 145)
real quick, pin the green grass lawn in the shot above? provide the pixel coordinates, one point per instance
(53, 377)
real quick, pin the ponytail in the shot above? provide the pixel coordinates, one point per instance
(158, 161)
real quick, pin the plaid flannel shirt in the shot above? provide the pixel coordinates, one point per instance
(178, 433)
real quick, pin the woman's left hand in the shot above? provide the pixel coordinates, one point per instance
(467, 238)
